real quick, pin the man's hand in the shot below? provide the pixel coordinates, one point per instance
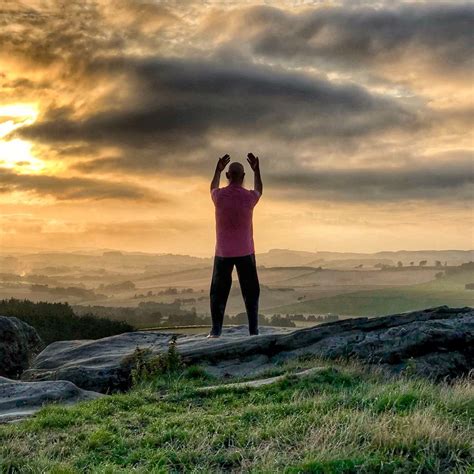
(255, 165)
(222, 163)
(253, 161)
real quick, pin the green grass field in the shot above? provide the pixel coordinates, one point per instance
(341, 419)
(448, 290)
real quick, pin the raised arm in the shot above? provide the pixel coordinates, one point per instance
(255, 165)
(220, 167)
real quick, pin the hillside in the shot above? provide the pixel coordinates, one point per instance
(339, 418)
(449, 289)
(390, 394)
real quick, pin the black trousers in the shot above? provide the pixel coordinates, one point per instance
(222, 282)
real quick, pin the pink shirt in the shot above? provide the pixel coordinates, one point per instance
(234, 208)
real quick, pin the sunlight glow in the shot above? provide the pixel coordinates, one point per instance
(13, 116)
(19, 110)
(16, 154)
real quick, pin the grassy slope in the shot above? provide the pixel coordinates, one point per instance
(339, 420)
(444, 291)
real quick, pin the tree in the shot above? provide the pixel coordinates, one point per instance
(281, 321)
(423, 263)
(412, 263)
(399, 264)
(437, 263)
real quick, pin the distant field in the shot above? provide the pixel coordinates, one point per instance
(279, 286)
(353, 287)
(448, 290)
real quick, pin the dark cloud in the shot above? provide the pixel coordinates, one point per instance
(443, 180)
(353, 38)
(72, 188)
(178, 103)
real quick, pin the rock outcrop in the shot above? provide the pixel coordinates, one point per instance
(437, 342)
(21, 399)
(101, 365)
(19, 343)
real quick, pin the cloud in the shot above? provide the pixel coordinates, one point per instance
(179, 106)
(169, 93)
(445, 180)
(73, 32)
(75, 188)
(185, 105)
(437, 35)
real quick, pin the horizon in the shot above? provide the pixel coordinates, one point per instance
(112, 118)
(87, 251)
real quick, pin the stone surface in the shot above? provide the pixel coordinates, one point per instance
(94, 364)
(437, 342)
(100, 365)
(19, 343)
(22, 399)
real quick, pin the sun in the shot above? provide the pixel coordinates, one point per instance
(13, 116)
(15, 153)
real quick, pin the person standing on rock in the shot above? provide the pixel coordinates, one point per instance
(234, 241)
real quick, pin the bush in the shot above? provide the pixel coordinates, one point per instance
(145, 366)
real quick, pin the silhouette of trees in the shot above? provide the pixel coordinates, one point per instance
(58, 322)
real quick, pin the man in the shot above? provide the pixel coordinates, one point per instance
(234, 241)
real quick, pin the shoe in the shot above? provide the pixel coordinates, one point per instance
(212, 336)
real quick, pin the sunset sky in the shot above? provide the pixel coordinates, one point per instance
(113, 115)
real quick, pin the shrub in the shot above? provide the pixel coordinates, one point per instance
(145, 366)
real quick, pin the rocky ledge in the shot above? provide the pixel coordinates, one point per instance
(22, 399)
(435, 343)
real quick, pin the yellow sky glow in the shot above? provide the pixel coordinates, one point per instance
(113, 115)
(16, 154)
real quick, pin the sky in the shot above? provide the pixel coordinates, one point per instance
(113, 115)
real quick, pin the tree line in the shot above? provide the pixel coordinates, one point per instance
(58, 322)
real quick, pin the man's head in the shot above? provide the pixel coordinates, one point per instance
(236, 173)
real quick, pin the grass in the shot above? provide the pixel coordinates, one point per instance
(448, 290)
(341, 419)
